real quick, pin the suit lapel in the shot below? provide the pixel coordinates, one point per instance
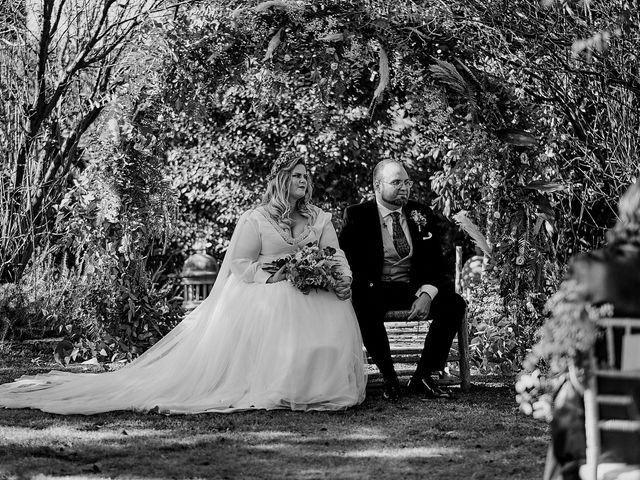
(373, 222)
(413, 229)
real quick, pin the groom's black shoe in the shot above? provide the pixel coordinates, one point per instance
(426, 387)
(391, 390)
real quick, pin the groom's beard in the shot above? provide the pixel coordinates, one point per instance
(397, 201)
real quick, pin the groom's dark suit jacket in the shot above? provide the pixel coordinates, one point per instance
(361, 240)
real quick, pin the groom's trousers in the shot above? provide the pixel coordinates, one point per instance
(372, 301)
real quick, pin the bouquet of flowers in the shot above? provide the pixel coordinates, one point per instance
(311, 267)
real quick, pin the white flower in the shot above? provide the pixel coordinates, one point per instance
(419, 219)
(523, 384)
(526, 408)
(541, 409)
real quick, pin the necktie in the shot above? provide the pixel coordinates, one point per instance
(399, 238)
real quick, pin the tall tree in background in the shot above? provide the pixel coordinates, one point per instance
(577, 62)
(60, 63)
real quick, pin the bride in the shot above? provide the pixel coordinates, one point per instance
(256, 342)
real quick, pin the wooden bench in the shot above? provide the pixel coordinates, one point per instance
(406, 339)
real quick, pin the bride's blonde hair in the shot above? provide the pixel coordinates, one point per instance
(276, 196)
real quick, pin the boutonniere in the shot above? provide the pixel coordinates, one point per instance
(421, 221)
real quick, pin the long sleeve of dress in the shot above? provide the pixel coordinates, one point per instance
(244, 262)
(329, 238)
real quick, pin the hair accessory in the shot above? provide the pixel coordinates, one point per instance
(281, 162)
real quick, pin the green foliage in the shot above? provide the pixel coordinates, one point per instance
(233, 103)
(493, 342)
(100, 283)
(33, 307)
(575, 65)
(543, 166)
(85, 215)
(482, 100)
(503, 180)
(117, 215)
(348, 85)
(87, 310)
(60, 65)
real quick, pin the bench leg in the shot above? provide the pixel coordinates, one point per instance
(463, 333)
(463, 347)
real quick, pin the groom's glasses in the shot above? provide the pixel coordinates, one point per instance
(400, 183)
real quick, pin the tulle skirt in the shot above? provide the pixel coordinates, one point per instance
(257, 346)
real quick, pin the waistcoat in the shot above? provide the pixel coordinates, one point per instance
(394, 268)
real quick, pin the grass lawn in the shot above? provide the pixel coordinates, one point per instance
(478, 435)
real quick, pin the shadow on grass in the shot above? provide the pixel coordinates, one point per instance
(478, 435)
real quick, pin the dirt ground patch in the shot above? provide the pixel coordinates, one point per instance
(478, 435)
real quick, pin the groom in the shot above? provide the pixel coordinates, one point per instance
(394, 252)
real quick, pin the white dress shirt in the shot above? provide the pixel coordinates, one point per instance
(387, 222)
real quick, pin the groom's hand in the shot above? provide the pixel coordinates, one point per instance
(420, 308)
(343, 288)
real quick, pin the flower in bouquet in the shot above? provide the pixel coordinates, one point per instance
(311, 267)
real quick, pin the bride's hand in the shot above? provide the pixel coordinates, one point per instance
(343, 288)
(278, 276)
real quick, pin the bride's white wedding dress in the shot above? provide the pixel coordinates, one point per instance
(249, 345)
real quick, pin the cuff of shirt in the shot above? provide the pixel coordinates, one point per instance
(430, 290)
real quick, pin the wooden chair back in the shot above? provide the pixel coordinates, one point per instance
(611, 400)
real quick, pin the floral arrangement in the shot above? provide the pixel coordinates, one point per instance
(562, 351)
(311, 267)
